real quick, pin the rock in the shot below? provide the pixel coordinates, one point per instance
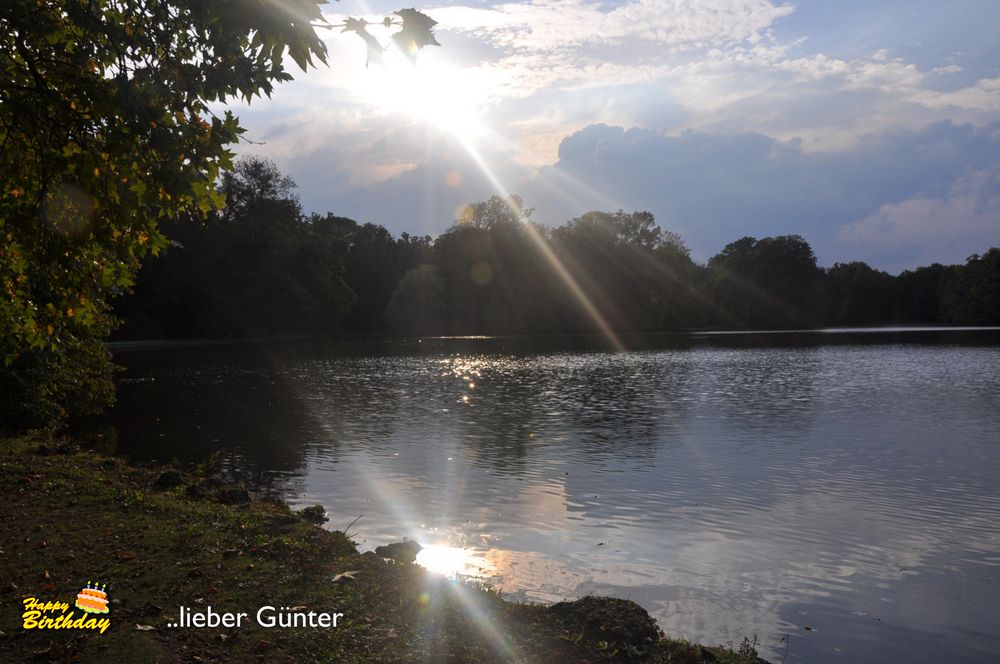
(372, 559)
(233, 495)
(168, 479)
(401, 552)
(217, 489)
(608, 619)
(314, 514)
(213, 482)
(196, 490)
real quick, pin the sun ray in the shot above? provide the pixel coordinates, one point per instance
(542, 246)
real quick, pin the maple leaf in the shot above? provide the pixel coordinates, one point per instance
(360, 26)
(416, 33)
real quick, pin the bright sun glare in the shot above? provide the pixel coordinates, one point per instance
(449, 561)
(429, 91)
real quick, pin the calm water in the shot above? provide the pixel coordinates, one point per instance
(837, 495)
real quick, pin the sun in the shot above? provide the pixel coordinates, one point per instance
(431, 91)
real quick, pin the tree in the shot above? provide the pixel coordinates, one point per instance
(254, 182)
(857, 294)
(972, 295)
(635, 272)
(416, 306)
(374, 267)
(772, 282)
(260, 269)
(106, 129)
(494, 212)
(920, 292)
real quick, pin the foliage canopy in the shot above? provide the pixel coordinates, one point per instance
(107, 128)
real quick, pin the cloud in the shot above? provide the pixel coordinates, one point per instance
(897, 200)
(673, 25)
(738, 124)
(983, 96)
(719, 61)
(924, 229)
(853, 204)
(575, 44)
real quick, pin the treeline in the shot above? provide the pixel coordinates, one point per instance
(264, 268)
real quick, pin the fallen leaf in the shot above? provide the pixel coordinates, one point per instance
(346, 575)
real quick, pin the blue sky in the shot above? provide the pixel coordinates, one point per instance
(870, 128)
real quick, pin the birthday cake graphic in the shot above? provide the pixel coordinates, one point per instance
(93, 599)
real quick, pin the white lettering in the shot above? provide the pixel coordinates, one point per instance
(267, 621)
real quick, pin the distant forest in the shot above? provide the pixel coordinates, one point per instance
(264, 268)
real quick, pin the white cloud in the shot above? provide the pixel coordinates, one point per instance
(575, 44)
(983, 96)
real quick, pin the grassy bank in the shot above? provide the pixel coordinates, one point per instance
(162, 540)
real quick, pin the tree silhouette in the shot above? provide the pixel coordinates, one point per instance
(417, 306)
(264, 268)
(769, 282)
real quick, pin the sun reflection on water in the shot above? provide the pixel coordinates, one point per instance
(453, 562)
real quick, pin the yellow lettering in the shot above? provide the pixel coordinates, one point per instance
(32, 604)
(31, 619)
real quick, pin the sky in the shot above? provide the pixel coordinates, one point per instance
(869, 127)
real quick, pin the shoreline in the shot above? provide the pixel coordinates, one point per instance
(170, 544)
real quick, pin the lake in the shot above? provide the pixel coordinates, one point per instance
(835, 493)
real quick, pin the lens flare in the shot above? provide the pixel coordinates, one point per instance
(449, 561)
